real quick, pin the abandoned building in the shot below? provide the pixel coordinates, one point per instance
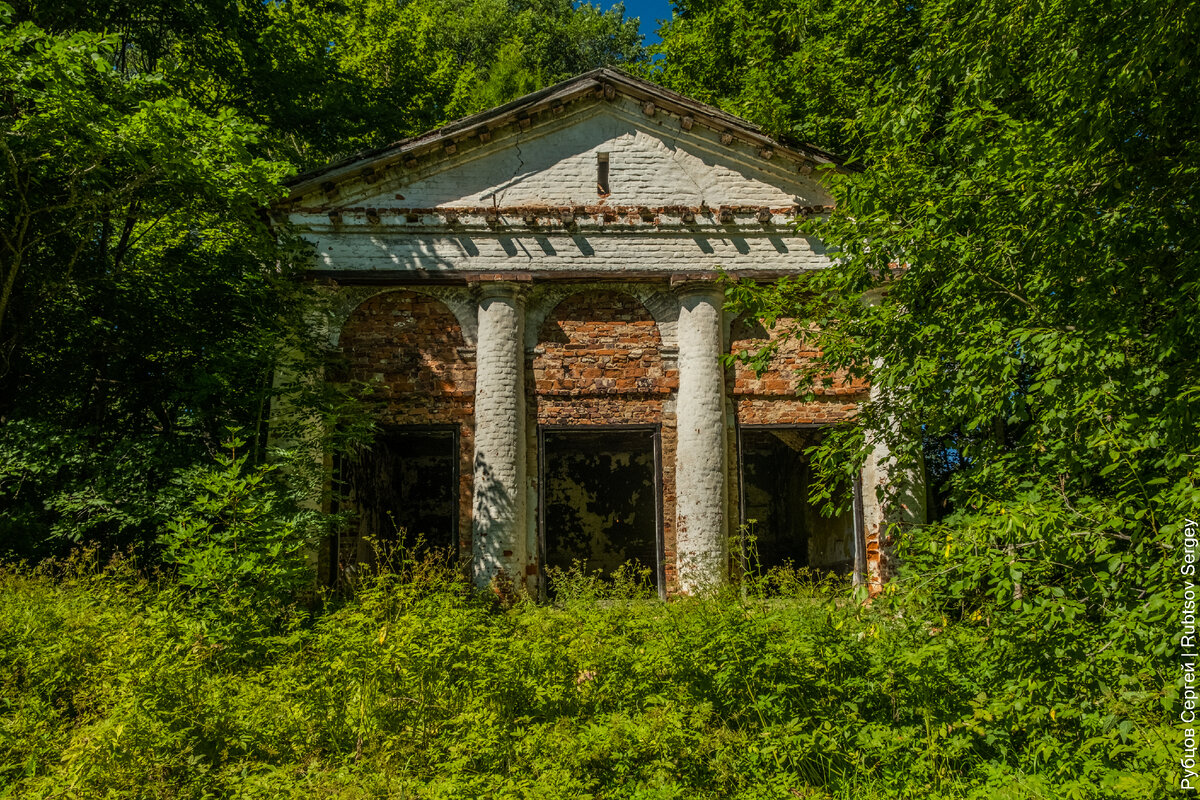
(531, 294)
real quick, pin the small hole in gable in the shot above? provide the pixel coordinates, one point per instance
(602, 174)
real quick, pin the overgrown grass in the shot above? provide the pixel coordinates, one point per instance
(115, 685)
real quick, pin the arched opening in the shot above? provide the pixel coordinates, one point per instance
(599, 379)
(781, 520)
(414, 481)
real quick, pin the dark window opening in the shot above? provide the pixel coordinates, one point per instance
(783, 524)
(406, 484)
(602, 174)
(601, 500)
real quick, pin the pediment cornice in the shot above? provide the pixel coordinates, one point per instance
(340, 183)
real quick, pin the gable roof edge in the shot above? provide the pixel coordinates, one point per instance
(597, 80)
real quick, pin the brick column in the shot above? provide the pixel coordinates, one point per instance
(700, 468)
(498, 521)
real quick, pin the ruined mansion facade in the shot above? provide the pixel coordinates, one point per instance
(530, 294)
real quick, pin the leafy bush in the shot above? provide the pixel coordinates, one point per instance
(418, 686)
(239, 531)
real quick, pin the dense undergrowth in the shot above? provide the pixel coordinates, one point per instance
(113, 683)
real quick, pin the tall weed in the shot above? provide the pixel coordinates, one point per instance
(415, 685)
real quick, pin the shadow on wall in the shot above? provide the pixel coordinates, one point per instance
(493, 521)
(450, 251)
(410, 348)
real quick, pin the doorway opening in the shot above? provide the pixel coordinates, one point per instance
(406, 484)
(783, 523)
(600, 500)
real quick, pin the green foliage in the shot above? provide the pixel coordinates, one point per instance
(419, 687)
(238, 533)
(416, 65)
(1010, 267)
(326, 79)
(145, 302)
(575, 584)
(800, 68)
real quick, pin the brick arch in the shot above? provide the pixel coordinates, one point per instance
(345, 300)
(599, 360)
(410, 349)
(600, 344)
(662, 304)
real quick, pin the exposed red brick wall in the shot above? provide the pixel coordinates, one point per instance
(780, 379)
(784, 410)
(772, 398)
(668, 439)
(410, 348)
(599, 361)
(600, 343)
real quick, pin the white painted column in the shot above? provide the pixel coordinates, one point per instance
(892, 493)
(498, 521)
(700, 468)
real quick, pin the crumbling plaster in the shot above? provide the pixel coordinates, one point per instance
(434, 217)
(503, 223)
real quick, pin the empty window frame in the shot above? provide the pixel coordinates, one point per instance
(782, 523)
(600, 499)
(406, 482)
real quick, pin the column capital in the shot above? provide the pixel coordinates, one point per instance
(699, 284)
(514, 288)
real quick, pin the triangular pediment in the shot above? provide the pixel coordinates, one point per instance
(548, 150)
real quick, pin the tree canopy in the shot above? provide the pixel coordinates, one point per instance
(1017, 268)
(145, 300)
(804, 69)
